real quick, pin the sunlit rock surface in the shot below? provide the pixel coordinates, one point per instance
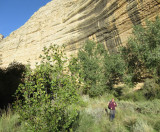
(71, 22)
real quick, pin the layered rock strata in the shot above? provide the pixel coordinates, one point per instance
(71, 22)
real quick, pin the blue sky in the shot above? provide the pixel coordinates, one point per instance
(14, 13)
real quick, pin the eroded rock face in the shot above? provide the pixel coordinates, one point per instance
(71, 22)
(1, 37)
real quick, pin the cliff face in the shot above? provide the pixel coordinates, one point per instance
(71, 22)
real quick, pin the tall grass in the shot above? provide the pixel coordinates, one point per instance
(9, 121)
(130, 116)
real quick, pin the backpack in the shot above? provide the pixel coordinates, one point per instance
(108, 105)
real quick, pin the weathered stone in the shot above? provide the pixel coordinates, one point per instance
(71, 22)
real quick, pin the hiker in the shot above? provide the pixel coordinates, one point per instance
(111, 105)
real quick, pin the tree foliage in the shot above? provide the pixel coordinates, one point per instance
(97, 70)
(114, 69)
(92, 68)
(142, 53)
(46, 98)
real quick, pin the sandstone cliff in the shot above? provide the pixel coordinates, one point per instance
(71, 22)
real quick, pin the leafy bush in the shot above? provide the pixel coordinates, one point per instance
(134, 96)
(128, 79)
(142, 52)
(151, 89)
(98, 70)
(114, 69)
(90, 60)
(45, 98)
(157, 126)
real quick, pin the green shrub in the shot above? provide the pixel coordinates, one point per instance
(45, 99)
(142, 51)
(128, 80)
(134, 96)
(97, 69)
(114, 69)
(151, 89)
(90, 60)
(157, 126)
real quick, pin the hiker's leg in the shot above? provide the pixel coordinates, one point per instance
(113, 114)
(110, 116)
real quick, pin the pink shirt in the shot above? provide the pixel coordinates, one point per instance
(112, 105)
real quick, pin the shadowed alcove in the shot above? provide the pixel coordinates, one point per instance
(10, 78)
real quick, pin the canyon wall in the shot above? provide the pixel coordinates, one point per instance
(71, 22)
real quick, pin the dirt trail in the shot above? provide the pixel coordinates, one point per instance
(138, 86)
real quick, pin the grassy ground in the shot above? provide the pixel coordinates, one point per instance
(9, 122)
(130, 117)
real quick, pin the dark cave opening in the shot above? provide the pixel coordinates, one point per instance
(10, 78)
